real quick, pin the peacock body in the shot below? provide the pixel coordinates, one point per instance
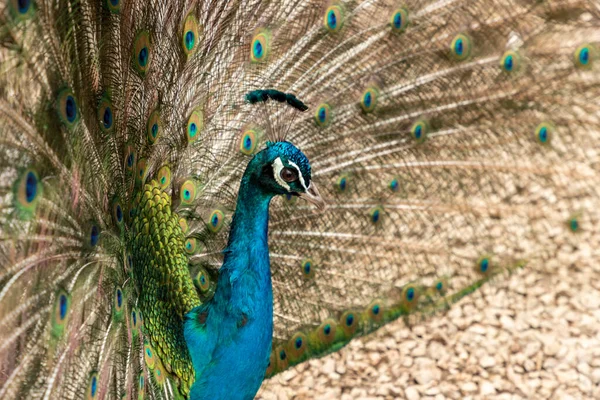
(142, 144)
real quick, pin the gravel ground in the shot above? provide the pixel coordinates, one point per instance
(533, 335)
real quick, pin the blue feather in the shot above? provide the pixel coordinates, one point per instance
(229, 338)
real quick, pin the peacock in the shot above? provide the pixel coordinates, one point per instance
(198, 194)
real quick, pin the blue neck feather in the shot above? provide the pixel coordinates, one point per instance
(248, 238)
(233, 341)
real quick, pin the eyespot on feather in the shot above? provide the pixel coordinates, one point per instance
(308, 268)
(60, 313)
(93, 235)
(281, 358)
(544, 132)
(21, 9)
(164, 177)
(159, 373)
(135, 320)
(190, 245)
(419, 130)
(399, 20)
(118, 303)
(128, 262)
(149, 355)
(394, 184)
(484, 265)
(323, 115)
(260, 46)
(375, 310)
(202, 280)
(461, 47)
(194, 126)
(93, 386)
(141, 171)
(130, 159)
(333, 19)
(342, 183)
(67, 108)
(574, 223)
(248, 142)
(142, 53)
(349, 323)
(114, 6)
(441, 286)
(190, 36)
(216, 221)
(410, 297)
(154, 127)
(27, 191)
(187, 192)
(141, 386)
(368, 100)
(510, 62)
(117, 212)
(585, 56)
(375, 214)
(326, 331)
(297, 346)
(106, 115)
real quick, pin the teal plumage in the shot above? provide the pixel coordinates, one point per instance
(453, 141)
(236, 327)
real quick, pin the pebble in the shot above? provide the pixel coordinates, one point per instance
(468, 387)
(424, 374)
(596, 376)
(411, 393)
(486, 389)
(487, 362)
(329, 366)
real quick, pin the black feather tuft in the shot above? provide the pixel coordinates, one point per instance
(261, 96)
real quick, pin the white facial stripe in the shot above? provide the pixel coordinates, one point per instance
(299, 174)
(277, 167)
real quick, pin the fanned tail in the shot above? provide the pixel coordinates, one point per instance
(455, 142)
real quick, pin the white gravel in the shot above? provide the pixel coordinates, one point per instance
(533, 335)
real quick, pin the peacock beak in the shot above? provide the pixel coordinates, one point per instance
(312, 196)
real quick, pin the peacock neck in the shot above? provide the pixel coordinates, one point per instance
(236, 327)
(246, 268)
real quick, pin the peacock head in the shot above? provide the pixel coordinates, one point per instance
(282, 169)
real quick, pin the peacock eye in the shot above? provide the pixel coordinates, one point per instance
(288, 174)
